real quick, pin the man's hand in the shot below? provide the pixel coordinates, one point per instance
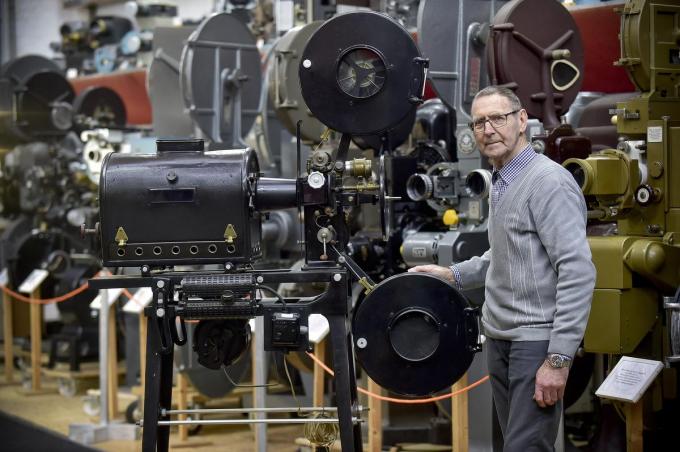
(437, 270)
(550, 383)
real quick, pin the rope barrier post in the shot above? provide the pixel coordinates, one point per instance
(36, 341)
(31, 285)
(8, 336)
(374, 418)
(182, 404)
(318, 392)
(112, 364)
(460, 429)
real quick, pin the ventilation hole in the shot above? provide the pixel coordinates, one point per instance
(175, 249)
(157, 250)
(139, 251)
(212, 248)
(231, 249)
(193, 249)
(121, 252)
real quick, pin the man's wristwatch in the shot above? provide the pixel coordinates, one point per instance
(557, 361)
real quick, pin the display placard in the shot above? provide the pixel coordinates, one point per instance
(139, 301)
(113, 296)
(629, 379)
(33, 281)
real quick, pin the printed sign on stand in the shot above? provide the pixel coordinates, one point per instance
(139, 301)
(33, 281)
(113, 296)
(629, 379)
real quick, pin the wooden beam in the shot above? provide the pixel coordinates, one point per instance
(8, 334)
(182, 404)
(142, 355)
(634, 417)
(36, 340)
(374, 418)
(460, 429)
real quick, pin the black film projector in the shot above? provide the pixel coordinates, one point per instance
(211, 206)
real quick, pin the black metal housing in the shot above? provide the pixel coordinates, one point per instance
(181, 206)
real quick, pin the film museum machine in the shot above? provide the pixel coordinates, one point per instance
(206, 224)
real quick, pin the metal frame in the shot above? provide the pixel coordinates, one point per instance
(334, 304)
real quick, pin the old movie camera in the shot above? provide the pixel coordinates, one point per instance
(414, 334)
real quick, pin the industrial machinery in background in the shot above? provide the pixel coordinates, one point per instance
(633, 200)
(45, 193)
(181, 179)
(108, 43)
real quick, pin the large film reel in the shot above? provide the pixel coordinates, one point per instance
(415, 334)
(169, 117)
(35, 99)
(221, 78)
(542, 64)
(365, 81)
(453, 35)
(284, 86)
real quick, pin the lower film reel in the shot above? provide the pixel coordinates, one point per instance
(415, 334)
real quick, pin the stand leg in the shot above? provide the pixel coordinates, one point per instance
(157, 391)
(345, 384)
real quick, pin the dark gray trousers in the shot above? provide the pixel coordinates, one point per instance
(526, 427)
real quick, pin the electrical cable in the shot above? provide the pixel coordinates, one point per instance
(405, 401)
(274, 292)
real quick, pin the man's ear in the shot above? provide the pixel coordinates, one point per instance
(523, 119)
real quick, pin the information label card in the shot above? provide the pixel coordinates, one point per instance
(630, 379)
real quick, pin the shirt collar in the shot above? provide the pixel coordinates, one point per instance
(511, 170)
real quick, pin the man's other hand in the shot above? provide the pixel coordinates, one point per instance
(550, 383)
(437, 270)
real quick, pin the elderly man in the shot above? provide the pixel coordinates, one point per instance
(538, 274)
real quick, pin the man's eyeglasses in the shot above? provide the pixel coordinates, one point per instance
(496, 121)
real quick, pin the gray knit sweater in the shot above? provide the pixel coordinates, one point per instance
(538, 272)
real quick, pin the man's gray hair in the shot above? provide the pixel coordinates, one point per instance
(515, 104)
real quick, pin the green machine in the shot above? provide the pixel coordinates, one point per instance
(633, 193)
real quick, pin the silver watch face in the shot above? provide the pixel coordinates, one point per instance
(556, 360)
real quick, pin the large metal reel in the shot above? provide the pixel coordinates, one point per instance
(99, 106)
(221, 78)
(452, 34)
(522, 56)
(415, 334)
(35, 99)
(284, 84)
(360, 73)
(168, 111)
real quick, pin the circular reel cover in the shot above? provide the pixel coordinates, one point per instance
(284, 84)
(412, 334)
(99, 106)
(220, 59)
(392, 139)
(358, 73)
(40, 95)
(516, 56)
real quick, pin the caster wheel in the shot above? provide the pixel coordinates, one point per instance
(91, 406)
(68, 387)
(133, 412)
